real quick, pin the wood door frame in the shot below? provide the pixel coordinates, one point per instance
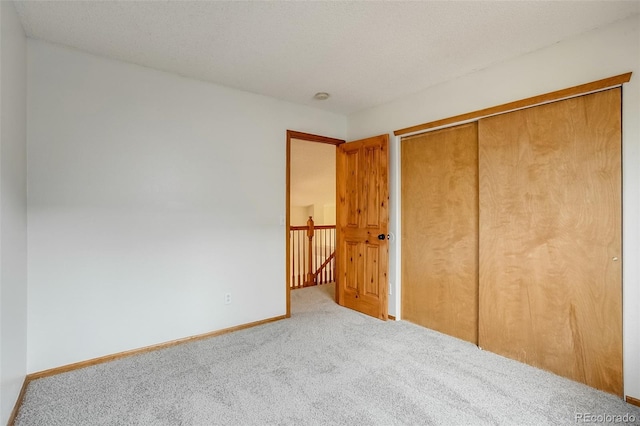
(307, 137)
(558, 95)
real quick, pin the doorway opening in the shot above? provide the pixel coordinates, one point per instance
(311, 210)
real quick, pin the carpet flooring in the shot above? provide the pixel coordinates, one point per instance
(324, 365)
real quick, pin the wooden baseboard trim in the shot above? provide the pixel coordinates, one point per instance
(107, 358)
(633, 401)
(16, 407)
(112, 357)
(391, 317)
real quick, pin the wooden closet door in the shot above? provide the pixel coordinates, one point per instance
(440, 231)
(550, 238)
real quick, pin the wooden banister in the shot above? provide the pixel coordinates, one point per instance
(310, 277)
(311, 246)
(315, 227)
(325, 263)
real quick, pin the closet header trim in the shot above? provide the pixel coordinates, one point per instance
(570, 92)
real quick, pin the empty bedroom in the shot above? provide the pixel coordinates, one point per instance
(474, 261)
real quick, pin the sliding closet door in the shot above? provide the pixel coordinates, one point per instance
(440, 231)
(550, 238)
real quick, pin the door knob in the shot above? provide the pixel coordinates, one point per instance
(382, 237)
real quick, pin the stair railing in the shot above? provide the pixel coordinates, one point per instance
(312, 254)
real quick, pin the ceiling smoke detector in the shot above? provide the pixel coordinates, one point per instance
(321, 96)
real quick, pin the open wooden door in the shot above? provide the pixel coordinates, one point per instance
(362, 225)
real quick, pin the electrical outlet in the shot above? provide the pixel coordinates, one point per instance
(227, 298)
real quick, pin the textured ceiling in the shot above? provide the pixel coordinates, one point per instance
(363, 53)
(313, 173)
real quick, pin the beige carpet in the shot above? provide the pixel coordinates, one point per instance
(325, 365)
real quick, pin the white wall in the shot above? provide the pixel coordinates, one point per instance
(323, 214)
(318, 214)
(299, 215)
(605, 52)
(313, 182)
(150, 197)
(13, 209)
(329, 212)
